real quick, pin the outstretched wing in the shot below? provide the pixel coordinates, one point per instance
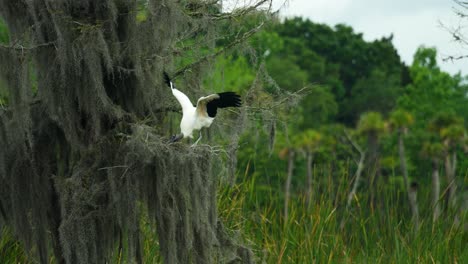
(209, 105)
(184, 101)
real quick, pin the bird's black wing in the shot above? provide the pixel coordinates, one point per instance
(226, 99)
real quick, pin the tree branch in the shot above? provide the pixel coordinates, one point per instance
(357, 176)
(16, 46)
(209, 56)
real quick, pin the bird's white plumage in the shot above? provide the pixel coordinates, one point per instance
(202, 115)
(193, 118)
(184, 101)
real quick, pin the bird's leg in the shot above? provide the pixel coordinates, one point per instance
(196, 142)
(176, 138)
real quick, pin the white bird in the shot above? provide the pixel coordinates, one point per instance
(195, 118)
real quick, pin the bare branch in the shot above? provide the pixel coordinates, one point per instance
(241, 12)
(355, 145)
(454, 58)
(16, 46)
(357, 176)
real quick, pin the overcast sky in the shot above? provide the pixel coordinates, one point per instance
(412, 22)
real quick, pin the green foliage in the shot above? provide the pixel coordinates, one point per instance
(443, 120)
(371, 122)
(377, 92)
(288, 75)
(453, 132)
(433, 150)
(4, 38)
(11, 251)
(234, 74)
(318, 107)
(400, 118)
(432, 90)
(436, 100)
(4, 35)
(309, 140)
(362, 75)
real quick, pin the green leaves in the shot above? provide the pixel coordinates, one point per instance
(309, 140)
(442, 119)
(432, 149)
(400, 118)
(432, 90)
(371, 122)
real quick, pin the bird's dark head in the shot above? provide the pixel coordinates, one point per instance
(167, 79)
(175, 138)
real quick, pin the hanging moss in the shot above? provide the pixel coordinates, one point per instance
(74, 160)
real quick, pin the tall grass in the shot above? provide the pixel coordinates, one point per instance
(312, 233)
(11, 251)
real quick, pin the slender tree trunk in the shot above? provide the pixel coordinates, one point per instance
(404, 170)
(287, 186)
(356, 181)
(435, 190)
(309, 157)
(450, 167)
(373, 167)
(454, 183)
(413, 194)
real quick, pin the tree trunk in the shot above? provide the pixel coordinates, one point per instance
(309, 159)
(450, 168)
(435, 190)
(373, 168)
(411, 196)
(287, 185)
(413, 199)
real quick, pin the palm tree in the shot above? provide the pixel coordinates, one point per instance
(372, 125)
(452, 135)
(450, 129)
(401, 120)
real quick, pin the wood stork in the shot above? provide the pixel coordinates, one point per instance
(195, 118)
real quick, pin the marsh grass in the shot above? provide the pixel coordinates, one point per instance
(312, 233)
(11, 251)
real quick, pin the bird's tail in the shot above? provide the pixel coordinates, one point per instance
(167, 80)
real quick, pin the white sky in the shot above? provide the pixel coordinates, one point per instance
(412, 22)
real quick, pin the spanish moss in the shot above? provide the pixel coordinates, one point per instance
(77, 162)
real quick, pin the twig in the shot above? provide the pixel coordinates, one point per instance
(453, 58)
(241, 12)
(209, 56)
(113, 167)
(17, 46)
